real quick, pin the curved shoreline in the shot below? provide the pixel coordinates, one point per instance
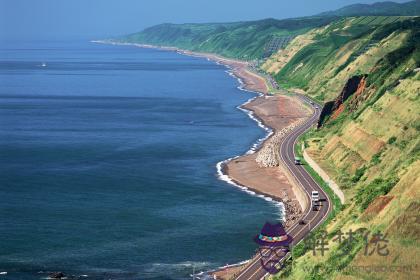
(259, 89)
(252, 82)
(222, 165)
(291, 207)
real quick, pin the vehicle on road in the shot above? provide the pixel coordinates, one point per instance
(316, 205)
(315, 196)
(298, 161)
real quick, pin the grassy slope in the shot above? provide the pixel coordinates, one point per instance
(245, 40)
(372, 150)
(341, 50)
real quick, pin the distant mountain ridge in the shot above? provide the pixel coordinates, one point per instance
(387, 8)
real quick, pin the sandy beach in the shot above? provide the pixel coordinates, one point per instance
(251, 81)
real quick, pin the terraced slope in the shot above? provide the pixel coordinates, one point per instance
(278, 60)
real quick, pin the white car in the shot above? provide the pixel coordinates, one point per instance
(315, 196)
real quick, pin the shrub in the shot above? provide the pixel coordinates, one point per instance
(299, 250)
(403, 144)
(392, 140)
(376, 158)
(359, 173)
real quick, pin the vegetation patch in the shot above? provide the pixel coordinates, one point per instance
(379, 186)
(359, 173)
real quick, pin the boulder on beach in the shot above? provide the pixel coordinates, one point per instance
(269, 155)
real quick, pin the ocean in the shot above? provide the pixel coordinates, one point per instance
(108, 160)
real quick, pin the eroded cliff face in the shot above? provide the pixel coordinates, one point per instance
(354, 87)
(361, 95)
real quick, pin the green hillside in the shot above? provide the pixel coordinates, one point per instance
(344, 48)
(244, 40)
(368, 142)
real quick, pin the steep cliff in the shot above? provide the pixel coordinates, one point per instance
(333, 109)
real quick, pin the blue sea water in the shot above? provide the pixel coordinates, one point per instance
(108, 163)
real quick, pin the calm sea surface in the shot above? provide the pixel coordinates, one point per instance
(108, 163)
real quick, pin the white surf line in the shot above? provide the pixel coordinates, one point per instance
(254, 147)
(250, 113)
(308, 212)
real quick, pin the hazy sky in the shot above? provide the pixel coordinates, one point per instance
(91, 19)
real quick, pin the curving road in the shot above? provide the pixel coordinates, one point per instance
(311, 217)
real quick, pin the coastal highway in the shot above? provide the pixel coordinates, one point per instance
(312, 218)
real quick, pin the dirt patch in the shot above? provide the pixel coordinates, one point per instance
(338, 112)
(359, 96)
(376, 207)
